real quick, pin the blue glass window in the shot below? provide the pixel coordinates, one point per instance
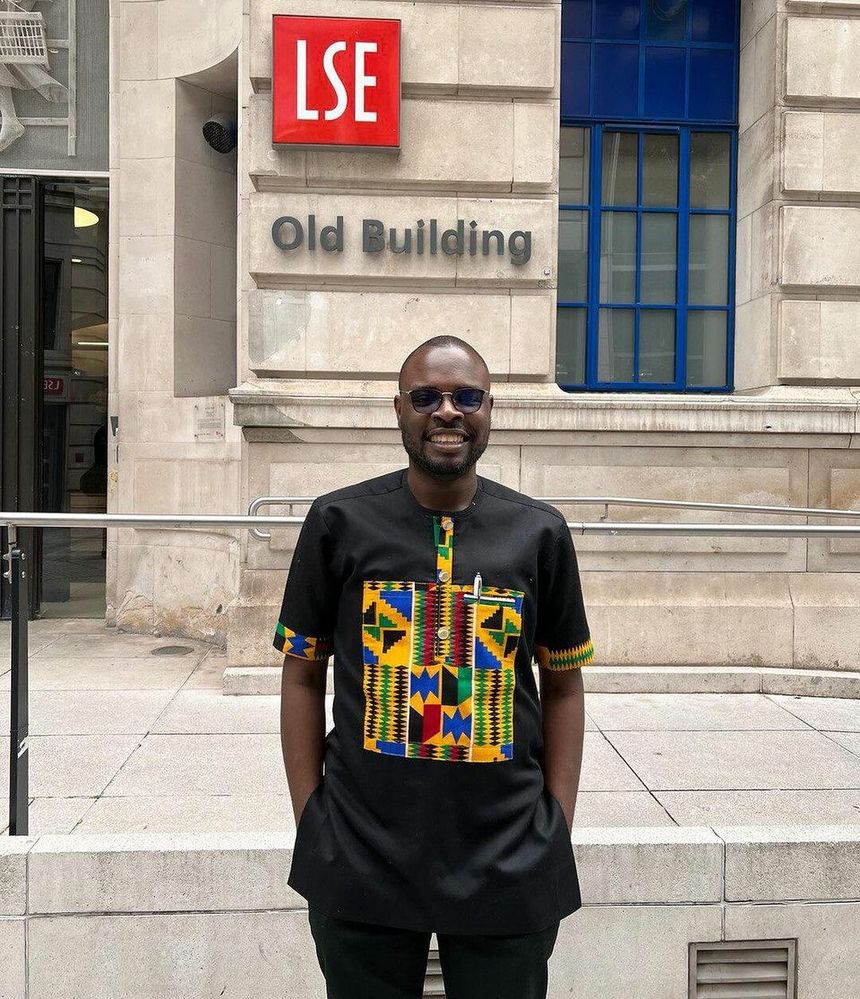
(646, 194)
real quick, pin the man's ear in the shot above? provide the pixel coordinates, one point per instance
(490, 399)
(397, 408)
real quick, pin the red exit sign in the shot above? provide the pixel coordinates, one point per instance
(336, 81)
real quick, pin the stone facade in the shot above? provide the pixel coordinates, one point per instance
(320, 337)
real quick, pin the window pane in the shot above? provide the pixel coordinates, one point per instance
(665, 81)
(573, 167)
(615, 346)
(575, 78)
(656, 345)
(712, 85)
(666, 22)
(660, 170)
(619, 168)
(658, 258)
(714, 21)
(616, 80)
(576, 19)
(572, 256)
(616, 18)
(709, 260)
(706, 349)
(570, 347)
(617, 257)
(709, 170)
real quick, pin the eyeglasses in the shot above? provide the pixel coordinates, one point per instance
(428, 400)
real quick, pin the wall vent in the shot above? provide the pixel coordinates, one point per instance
(743, 969)
(434, 987)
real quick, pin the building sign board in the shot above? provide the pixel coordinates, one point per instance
(336, 82)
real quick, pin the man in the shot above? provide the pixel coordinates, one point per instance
(443, 798)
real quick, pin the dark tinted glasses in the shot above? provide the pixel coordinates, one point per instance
(428, 400)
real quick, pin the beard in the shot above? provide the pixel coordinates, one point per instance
(444, 465)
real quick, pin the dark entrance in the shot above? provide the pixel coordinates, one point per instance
(54, 305)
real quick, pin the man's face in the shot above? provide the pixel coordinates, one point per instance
(445, 443)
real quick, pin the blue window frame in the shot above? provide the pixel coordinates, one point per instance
(647, 203)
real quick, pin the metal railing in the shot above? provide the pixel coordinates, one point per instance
(605, 502)
(16, 574)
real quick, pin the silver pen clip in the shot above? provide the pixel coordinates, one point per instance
(476, 592)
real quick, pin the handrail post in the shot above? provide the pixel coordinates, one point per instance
(16, 573)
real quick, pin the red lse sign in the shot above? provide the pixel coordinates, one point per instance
(336, 81)
(53, 386)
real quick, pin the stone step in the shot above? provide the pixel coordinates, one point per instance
(240, 680)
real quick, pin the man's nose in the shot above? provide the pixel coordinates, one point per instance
(447, 410)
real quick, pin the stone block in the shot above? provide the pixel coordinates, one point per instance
(138, 37)
(204, 356)
(755, 348)
(144, 200)
(817, 340)
(429, 38)
(652, 939)
(821, 59)
(532, 335)
(145, 353)
(13, 960)
(223, 283)
(189, 813)
(161, 873)
(146, 275)
(206, 203)
(252, 680)
(649, 865)
(778, 808)
(191, 277)
(810, 683)
(151, 101)
(827, 629)
(671, 680)
(820, 247)
(757, 75)
(535, 149)
(826, 967)
(292, 331)
(13, 871)
(756, 164)
(104, 956)
(196, 35)
(507, 47)
(773, 864)
(803, 151)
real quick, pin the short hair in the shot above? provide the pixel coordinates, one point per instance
(443, 340)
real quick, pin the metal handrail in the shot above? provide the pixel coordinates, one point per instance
(604, 501)
(16, 574)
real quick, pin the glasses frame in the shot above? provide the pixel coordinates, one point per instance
(466, 388)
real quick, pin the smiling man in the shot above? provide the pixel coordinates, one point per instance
(443, 797)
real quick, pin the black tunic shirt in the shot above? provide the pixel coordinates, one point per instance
(432, 813)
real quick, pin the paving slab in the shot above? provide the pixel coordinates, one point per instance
(209, 673)
(619, 808)
(850, 740)
(154, 673)
(744, 808)
(69, 765)
(688, 712)
(89, 712)
(187, 813)
(835, 714)
(714, 760)
(603, 769)
(122, 646)
(200, 711)
(47, 816)
(202, 764)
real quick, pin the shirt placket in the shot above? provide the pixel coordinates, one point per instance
(443, 532)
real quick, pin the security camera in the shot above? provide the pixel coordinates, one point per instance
(220, 132)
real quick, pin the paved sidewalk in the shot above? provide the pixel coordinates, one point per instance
(125, 740)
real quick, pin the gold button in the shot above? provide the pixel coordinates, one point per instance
(444, 575)
(443, 633)
(447, 523)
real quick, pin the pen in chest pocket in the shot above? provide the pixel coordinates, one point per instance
(477, 593)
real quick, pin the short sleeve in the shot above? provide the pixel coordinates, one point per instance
(562, 638)
(306, 623)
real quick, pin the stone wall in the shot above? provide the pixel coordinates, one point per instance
(203, 916)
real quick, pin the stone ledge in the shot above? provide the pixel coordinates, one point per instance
(255, 680)
(542, 406)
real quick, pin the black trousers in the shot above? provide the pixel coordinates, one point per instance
(364, 961)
